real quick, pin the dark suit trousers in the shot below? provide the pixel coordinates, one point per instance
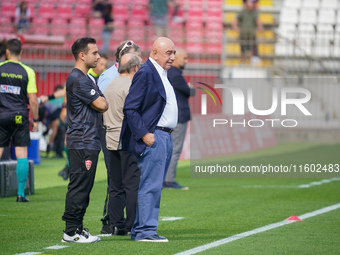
(123, 184)
(106, 160)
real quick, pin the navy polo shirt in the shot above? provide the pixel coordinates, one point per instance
(84, 123)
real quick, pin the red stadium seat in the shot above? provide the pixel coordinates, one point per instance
(214, 11)
(119, 34)
(194, 24)
(96, 27)
(176, 34)
(65, 10)
(195, 11)
(4, 24)
(41, 30)
(82, 10)
(139, 12)
(40, 26)
(96, 23)
(213, 48)
(215, 3)
(8, 8)
(213, 25)
(214, 36)
(120, 2)
(87, 2)
(141, 2)
(120, 31)
(60, 27)
(196, 2)
(195, 36)
(46, 10)
(78, 22)
(78, 27)
(120, 12)
(194, 48)
(136, 23)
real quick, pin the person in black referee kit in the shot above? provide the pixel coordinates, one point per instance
(17, 89)
(85, 103)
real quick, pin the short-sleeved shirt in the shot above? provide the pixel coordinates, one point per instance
(247, 23)
(108, 76)
(16, 81)
(84, 123)
(115, 94)
(159, 7)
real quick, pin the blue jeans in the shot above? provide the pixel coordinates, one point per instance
(153, 166)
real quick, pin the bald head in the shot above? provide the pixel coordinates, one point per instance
(181, 59)
(128, 63)
(163, 52)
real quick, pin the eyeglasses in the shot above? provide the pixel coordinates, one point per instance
(126, 45)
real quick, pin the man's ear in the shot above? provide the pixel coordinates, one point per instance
(154, 52)
(82, 55)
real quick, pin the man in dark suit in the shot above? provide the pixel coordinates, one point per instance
(183, 91)
(150, 115)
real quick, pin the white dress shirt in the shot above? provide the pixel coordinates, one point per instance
(170, 114)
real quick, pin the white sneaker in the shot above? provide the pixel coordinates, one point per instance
(82, 236)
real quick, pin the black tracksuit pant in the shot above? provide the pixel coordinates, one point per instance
(83, 165)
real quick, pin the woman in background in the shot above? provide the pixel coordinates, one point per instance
(22, 16)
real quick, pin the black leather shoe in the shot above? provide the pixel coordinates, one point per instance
(106, 229)
(65, 172)
(22, 199)
(121, 232)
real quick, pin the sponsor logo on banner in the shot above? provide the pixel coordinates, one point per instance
(88, 164)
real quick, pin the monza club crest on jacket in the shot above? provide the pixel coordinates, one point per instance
(88, 164)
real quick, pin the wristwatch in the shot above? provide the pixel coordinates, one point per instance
(35, 120)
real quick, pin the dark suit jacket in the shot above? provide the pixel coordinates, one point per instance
(143, 108)
(182, 91)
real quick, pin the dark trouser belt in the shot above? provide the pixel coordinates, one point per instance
(165, 129)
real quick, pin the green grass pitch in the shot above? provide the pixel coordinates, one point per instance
(212, 209)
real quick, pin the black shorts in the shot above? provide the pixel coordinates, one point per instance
(17, 127)
(248, 44)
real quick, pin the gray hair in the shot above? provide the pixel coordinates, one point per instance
(128, 66)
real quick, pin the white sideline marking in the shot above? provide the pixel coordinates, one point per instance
(270, 186)
(306, 186)
(256, 231)
(302, 186)
(171, 218)
(56, 247)
(104, 235)
(28, 253)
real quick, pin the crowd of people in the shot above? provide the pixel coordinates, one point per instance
(129, 111)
